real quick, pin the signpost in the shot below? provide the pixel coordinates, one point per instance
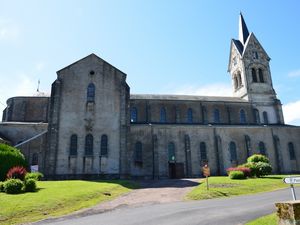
(292, 180)
(206, 173)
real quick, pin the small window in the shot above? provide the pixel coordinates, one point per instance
(73, 144)
(35, 159)
(261, 75)
(239, 78)
(266, 119)
(134, 115)
(254, 77)
(171, 152)
(232, 151)
(89, 142)
(256, 116)
(203, 154)
(104, 148)
(291, 151)
(92, 72)
(235, 82)
(190, 115)
(91, 93)
(216, 116)
(262, 148)
(163, 116)
(242, 116)
(138, 153)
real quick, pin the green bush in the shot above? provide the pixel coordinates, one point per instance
(237, 175)
(258, 158)
(30, 185)
(1, 187)
(13, 186)
(263, 169)
(259, 165)
(36, 176)
(10, 157)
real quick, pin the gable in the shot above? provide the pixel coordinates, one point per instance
(252, 44)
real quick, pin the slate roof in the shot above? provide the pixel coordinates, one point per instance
(185, 98)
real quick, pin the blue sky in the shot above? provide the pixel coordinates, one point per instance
(164, 47)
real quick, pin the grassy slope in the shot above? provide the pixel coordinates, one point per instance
(265, 220)
(225, 187)
(56, 198)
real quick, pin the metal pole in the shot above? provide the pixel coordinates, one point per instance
(207, 182)
(293, 192)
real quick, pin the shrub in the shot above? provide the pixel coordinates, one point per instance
(1, 186)
(245, 170)
(13, 186)
(253, 168)
(238, 175)
(36, 176)
(30, 185)
(16, 172)
(258, 158)
(9, 157)
(263, 169)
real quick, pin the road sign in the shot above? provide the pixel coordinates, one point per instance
(206, 171)
(292, 180)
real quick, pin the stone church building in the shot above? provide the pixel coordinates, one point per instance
(93, 127)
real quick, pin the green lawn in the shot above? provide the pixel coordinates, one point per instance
(225, 187)
(55, 198)
(265, 220)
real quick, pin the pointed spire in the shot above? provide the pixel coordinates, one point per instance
(243, 30)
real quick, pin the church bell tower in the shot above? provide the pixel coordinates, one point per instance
(251, 76)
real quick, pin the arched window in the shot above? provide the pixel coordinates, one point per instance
(171, 152)
(190, 115)
(89, 144)
(235, 82)
(216, 116)
(265, 115)
(291, 151)
(134, 115)
(138, 152)
(91, 93)
(261, 75)
(262, 148)
(239, 78)
(242, 116)
(104, 148)
(203, 154)
(35, 159)
(256, 116)
(232, 151)
(73, 144)
(163, 115)
(254, 77)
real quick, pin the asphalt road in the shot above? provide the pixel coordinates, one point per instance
(225, 211)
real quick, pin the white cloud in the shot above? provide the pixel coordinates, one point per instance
(218, 89)
(8, 31)
(291, 112)
(39, 66)
(294, 73)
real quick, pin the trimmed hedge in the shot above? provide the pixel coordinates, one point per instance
(245, 170)
(258, 158)
(237, 175)
(30, 185)
(10, 157)
(35, 175)
(13, 186)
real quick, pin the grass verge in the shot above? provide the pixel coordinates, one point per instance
(55, 198)
(265, 220)
(225, 187)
